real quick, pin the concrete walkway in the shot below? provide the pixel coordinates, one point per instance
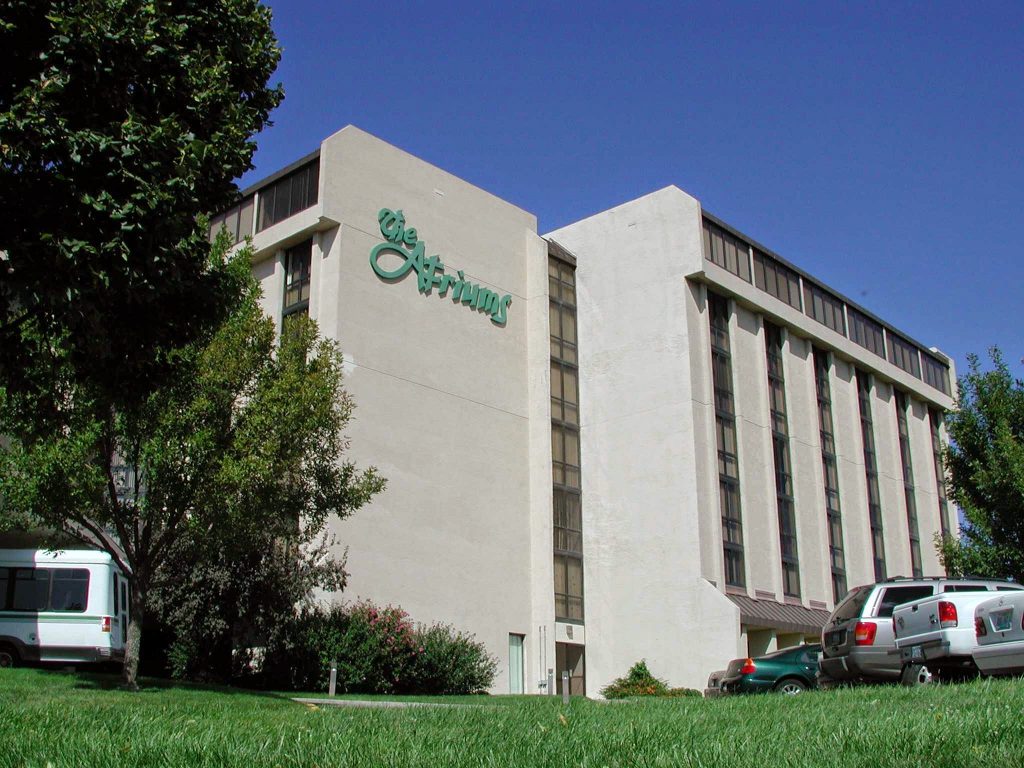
(364, 704)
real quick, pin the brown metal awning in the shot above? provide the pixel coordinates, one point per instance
(770, 614)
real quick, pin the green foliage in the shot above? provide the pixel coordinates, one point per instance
(638, 682)
(450, 662)
(122, 123)
(985, 461)
(377, 651)
(214, 492)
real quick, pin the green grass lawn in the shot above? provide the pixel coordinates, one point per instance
(56, 719)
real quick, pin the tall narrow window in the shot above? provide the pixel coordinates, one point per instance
(871, 474)
(565, 443)
(906, 460)
(830, 475)
(783, 464)
(728, 456)
(935, 419)
(297, 264)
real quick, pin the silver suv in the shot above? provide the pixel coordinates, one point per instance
(858, 643)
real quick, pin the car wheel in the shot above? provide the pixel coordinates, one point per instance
(916, 674)
(790, 686)
(8, 658)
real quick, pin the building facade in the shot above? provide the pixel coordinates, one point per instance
(643, 435)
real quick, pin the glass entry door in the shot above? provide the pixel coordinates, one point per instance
(570, 658)
(515, 663)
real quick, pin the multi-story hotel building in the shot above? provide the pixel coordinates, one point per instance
(642, 436)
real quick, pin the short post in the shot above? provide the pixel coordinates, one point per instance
(334, 678)
(551, 682)
(565, 686)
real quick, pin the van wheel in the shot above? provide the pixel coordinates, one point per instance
(916, 674)
(790, 686)
(8, 657)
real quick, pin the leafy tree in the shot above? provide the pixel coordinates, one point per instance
(122, 122)
(238, 446)
(985, 460)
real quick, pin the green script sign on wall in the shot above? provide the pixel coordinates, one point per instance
(405, 243)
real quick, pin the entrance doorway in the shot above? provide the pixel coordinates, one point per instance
(570, 658)
(516, 668)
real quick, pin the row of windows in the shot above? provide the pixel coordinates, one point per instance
(908, 484)
(866, 332)
(830, 475)
(237, 221)
(726, 250)
(44, 589)
(288, 195)
(567, 544)
(824, 307)
(783, 465)
(904, 355)
(285, 197)
(725, 423)
(775, 278)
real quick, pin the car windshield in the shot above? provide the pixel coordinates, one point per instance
(851, 606)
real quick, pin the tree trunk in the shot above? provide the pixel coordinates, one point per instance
(133, 644)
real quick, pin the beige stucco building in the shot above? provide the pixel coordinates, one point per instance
(643, 435)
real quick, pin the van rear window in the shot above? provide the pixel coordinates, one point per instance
(894, 596)
(851, 606)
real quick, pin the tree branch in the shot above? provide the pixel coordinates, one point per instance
(90, 532)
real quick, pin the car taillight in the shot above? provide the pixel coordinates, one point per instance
(979, 627)
(864, 633)
(105, 624)
(947, 615)
(748, 668)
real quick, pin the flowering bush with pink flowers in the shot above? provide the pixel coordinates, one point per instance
(377, 650)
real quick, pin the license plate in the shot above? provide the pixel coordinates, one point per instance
(1002, 620)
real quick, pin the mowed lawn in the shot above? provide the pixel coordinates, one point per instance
(61, 719)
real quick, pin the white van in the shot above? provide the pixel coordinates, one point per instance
(69, 606)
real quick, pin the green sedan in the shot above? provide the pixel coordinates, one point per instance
(791, 670)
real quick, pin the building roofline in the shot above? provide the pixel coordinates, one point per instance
(280, 173)
(939, 357)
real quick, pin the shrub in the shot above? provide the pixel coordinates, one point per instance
(450, 662)
(682, 693)
(377, 650)
(640, 682)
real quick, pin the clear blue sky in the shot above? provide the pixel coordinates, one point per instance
(879, 146)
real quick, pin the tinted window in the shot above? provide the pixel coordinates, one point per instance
(965, 588)
(851, 606)
(31, 589)
(4, 581)
(289, 195)
(893, 596)
(1007, 589)
(70, 589)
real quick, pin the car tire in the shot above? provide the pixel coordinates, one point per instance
(8, 657)
(916, 674)
(790, 686)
